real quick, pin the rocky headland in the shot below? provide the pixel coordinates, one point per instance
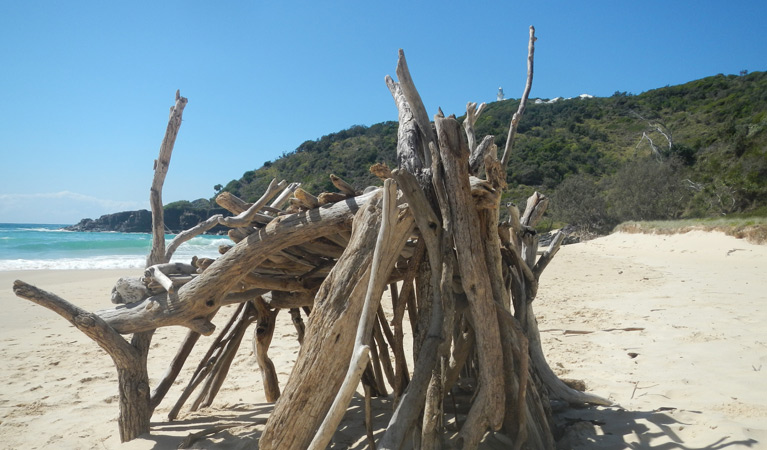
(140, 221)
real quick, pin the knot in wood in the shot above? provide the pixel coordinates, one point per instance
(85, 320)
(142, 389)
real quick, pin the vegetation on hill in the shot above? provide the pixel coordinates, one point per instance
(348, 154)
(743, 226)
(693, 150)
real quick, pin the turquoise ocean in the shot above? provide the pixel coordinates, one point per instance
(46, 246)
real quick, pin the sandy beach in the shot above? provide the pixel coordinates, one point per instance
(670, 328)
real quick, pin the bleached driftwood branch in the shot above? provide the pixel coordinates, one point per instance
(376, 284)
(205, 293)
(522, 102)
(161, 164)
(246, 218)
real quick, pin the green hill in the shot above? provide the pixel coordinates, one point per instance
(702, 144)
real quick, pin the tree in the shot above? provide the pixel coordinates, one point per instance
(646, 189)
(580, 201)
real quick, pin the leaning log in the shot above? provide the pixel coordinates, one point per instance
(487, 410)
(329, 338)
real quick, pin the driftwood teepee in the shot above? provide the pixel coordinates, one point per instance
(432, 233)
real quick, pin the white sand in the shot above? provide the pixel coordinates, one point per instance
(697, 379)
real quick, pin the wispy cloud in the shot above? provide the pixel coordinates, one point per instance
(74, 196)
(59, 207)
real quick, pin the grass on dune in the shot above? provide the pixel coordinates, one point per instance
(748, 227)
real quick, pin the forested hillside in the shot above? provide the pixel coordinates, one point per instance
(691, 150)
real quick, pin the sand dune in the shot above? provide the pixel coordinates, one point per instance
(671, 328)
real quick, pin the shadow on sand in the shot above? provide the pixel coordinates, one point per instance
(617, 428)
(240, 426)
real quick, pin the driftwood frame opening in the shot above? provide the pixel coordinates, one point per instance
(432, 233)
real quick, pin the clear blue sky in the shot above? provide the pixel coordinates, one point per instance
(86, 86)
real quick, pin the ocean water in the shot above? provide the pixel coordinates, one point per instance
(46, 246)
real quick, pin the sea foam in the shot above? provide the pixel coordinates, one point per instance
(36, 247)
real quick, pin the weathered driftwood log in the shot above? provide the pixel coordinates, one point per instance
(343, 186)
(161, 165)
(298, 323)
(247, 217)
(204, 294)
(231, 344)
(384, 253)
(265, 325)
(134, 391)
(418, 161)
(305, 199)
(328, 342)
(129, 290)
(522, 102)
(487, 409)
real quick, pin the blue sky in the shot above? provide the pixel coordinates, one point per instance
(86, 86)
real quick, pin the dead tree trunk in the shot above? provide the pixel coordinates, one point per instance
(130, 358)
(134, 391)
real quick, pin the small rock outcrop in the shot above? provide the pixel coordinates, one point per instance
(126, 222)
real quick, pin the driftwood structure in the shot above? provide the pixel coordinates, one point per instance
(432, 234)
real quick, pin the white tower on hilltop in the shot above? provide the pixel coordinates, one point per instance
(500, 96)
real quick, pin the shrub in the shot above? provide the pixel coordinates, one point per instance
(646, 189)
(579, 201)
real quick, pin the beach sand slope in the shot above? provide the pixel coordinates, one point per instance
(670, 328)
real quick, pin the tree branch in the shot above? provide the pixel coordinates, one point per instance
(522, 102)
(161, 164)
